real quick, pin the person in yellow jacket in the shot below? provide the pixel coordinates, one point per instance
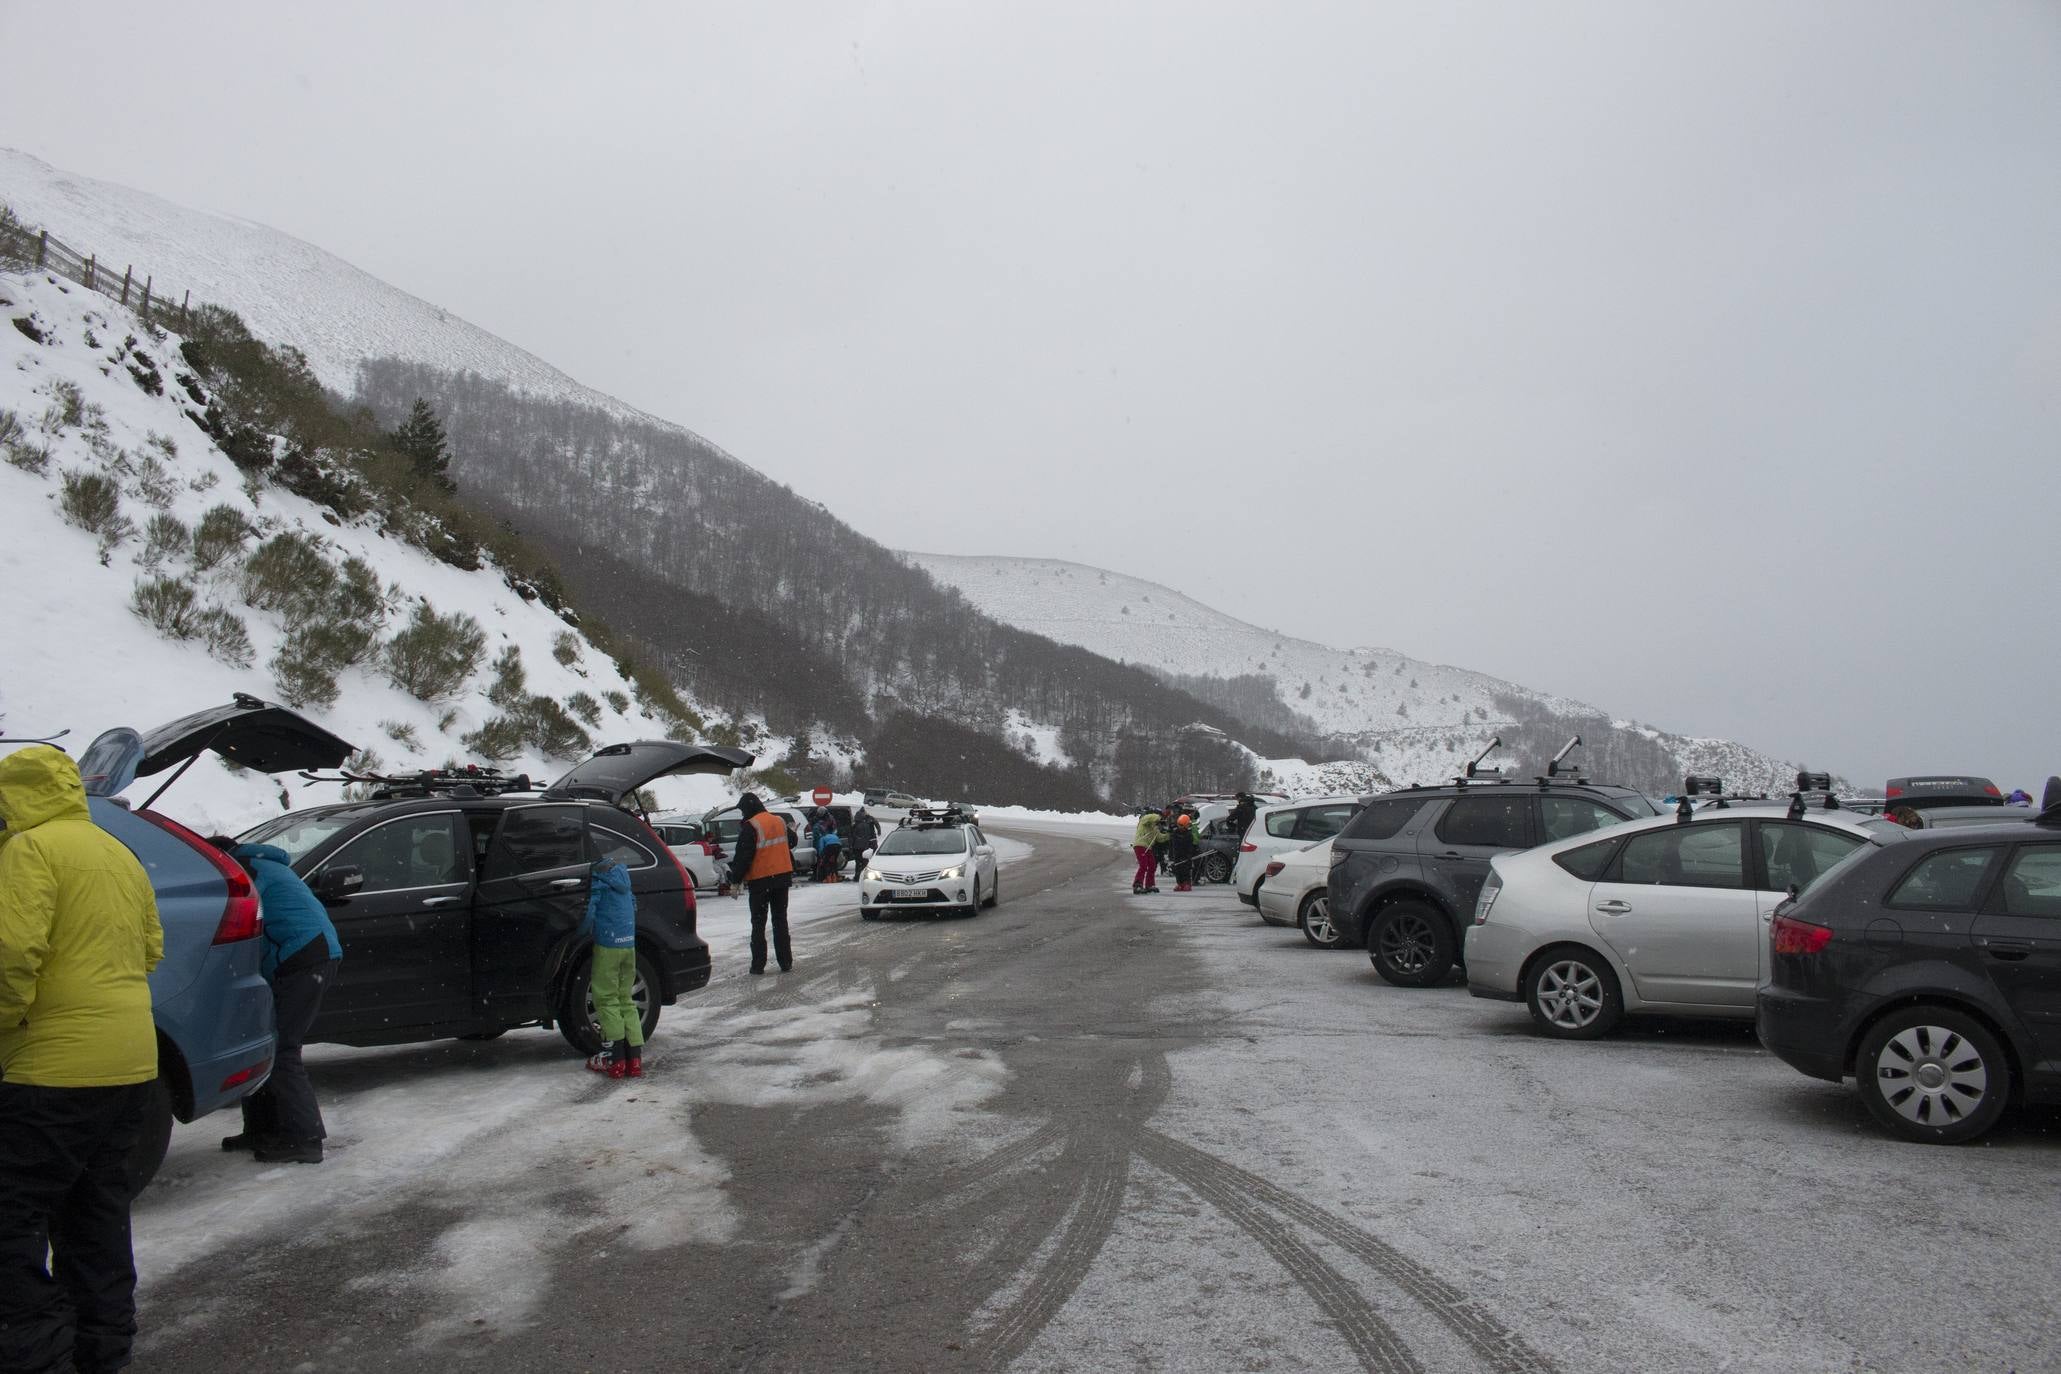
(79, 936)
(1150, 834)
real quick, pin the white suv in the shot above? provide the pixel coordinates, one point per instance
(1278, 829)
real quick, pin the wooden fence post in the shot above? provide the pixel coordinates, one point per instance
(89, 272)
(125, 282)
(146, 297)
(42, 247)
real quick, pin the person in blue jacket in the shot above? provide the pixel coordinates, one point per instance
(282, 1122)
(612, 921)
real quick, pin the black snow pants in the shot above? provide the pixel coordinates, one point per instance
(64, 1193)
(768, 897)
(284, 1111)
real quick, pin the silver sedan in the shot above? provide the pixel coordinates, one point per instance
(1667, 915)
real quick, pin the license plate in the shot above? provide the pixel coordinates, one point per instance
(912, 893)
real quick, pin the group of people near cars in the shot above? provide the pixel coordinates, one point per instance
(837, 842)
(79, 936)
(1164, 841)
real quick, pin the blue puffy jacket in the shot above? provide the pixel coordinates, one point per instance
(611, 910)
(293, 914)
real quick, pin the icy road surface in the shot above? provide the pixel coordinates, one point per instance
(1088, 1132)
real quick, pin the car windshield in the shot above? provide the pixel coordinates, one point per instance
(952, 841)
(298, 835)
(1635, 805)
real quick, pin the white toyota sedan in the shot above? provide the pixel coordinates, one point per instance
(935, 860)
(1667, 915)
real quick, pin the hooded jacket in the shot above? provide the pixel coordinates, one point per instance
(611, 907)
(79, 936)
(1151, 830)
(294, 915)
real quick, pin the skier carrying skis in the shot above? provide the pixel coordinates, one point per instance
(612, 919)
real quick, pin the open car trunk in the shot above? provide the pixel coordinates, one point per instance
(615, 773)
(248, 732)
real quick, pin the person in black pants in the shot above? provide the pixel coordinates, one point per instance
(282, 1122)
(79, 935)
(764, 863)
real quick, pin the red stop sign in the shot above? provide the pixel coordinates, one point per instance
(821, 796)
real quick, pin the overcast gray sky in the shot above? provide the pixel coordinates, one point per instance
(1699, 359)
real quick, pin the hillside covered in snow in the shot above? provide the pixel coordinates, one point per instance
(1415, 721)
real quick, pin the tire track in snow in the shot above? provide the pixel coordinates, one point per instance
(1500, 1348)
(1102, 1193)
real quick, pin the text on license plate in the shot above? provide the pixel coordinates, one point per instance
(917, 893)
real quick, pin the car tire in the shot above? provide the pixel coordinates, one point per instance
(147, 1155)
(1216, 869)
(973, 907)
(867, 913)
(1933, 1075)
(1315, 920)
(995, 893)
(1411, 945)
(1573, 994)
(576, 1013)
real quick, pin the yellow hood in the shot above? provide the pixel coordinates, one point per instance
(39, 784)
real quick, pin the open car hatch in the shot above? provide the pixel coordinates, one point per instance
(248, 732)
(615, 773)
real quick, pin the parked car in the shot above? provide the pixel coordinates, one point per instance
(887, 804)
(459, 902)
(1280, 828)
(1405, 873)
(1928, 972)
(934, 860)
(1665, 915)
(212, 1007)
(1295, 894)
(1951, 789)
(1216, 845)
(689, 841)
(722, 824)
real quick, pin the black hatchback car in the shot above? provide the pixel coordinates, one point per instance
(1405, 871)
(1930, 971)
(458, 897)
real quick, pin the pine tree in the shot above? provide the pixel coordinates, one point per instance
(421, 439)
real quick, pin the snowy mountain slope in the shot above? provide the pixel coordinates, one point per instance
(81, 658)
(289, 292)
(1414, 721)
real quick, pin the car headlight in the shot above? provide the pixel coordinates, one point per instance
(1489, 892)
(874, 875)
(951, 873)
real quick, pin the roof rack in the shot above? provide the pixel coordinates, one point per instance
(1475, 770)
(1557, 769)
(468, 781)
(951, 813)
(1810, 786)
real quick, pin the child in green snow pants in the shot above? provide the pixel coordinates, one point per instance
(615, 975)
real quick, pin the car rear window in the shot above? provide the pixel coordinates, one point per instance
(1588, 861)
(2032, 884)
(622, 849)
(1281, 824)
(1949, 880)
(1504, 822)
(1381, 820)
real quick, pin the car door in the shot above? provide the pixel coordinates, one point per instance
(405, 932)
(2018, 935)
(1790, 854)
(984, 855)
(1675, 908)
(532, 894)
(1457, 849)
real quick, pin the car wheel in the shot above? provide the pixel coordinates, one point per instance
(1573, 994)
(1411, 945)
(867, 913)
(147, 1155)
(576, 1016)
(1315, 920)
(995, 893)
(1216, 869)
(1933, 1075)
(978, 902)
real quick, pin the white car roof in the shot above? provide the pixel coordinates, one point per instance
(1332, 799)
(1852, 822)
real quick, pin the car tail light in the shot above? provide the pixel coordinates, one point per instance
(1491, 888)
(1799, 937)
(1339, 856)
(1892, 793)
(1274, 868)
(1992, 790)
(242, 1076)
(240, 917)
(1248, 848)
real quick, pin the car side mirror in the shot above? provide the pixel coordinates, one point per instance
(984, 851)
(867, 855)
(336, 884)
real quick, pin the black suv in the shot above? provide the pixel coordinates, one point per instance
(1928, 971)
(458, 896)
(1406, 870)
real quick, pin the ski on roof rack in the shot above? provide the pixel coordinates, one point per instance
(951, 813)
(468, 781)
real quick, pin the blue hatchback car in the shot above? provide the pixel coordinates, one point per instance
(212, 1007)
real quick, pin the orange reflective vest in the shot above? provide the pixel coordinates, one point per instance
(772, 857)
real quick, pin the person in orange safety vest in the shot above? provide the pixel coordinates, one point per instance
(765, 865)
